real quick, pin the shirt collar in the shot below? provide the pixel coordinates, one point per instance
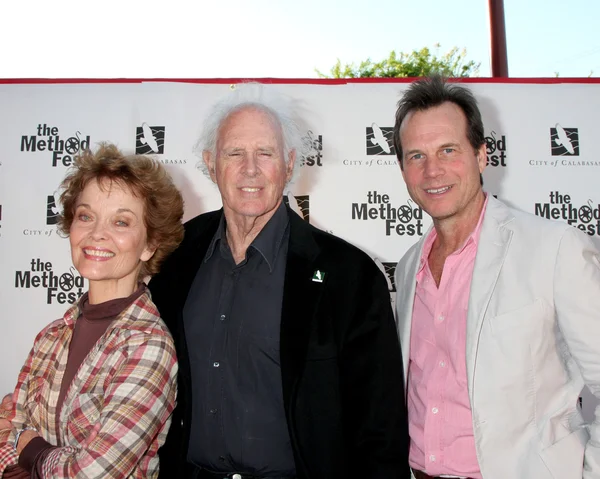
(472, 238)
(220, 233)
(267, 243)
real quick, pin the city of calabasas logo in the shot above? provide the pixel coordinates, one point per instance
(149, 140)
(389, 270)
(564, 141)
(300, 204)
(52, 209)
(380, 140)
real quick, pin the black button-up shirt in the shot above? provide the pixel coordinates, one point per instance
(232, 321)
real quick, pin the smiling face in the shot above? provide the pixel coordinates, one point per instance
(250, 168)
(441, 168)
(108, 239)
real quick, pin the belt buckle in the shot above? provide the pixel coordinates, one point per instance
(235, 475)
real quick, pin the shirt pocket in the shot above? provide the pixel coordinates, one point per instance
(84, 414)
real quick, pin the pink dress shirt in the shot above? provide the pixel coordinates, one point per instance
(439, 411)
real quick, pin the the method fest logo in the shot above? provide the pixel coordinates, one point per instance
(47, 138)
(403, 220)
(585, 217)
(495, 149)
(313, 144)
(63, 288)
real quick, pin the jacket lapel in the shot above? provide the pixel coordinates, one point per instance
(492, 248)
(186, 262)
(406, 274)
(301, 295)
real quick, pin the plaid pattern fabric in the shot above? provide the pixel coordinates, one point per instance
(117, 410)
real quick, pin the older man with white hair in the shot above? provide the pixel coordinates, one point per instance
(289, 358)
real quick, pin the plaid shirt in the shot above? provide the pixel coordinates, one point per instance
(117, 410)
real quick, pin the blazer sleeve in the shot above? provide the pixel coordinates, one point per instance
(371, 380)
(577, 303)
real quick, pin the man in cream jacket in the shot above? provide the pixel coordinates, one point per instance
(498, 312)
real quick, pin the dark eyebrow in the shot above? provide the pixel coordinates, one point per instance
(447, 145)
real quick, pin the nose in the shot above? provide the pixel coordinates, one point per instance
(433, 167)
(98, 231)
(250, 165)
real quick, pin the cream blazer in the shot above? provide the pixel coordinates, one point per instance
(533, 341)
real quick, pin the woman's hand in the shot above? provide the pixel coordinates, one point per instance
(5, 409)
(6, 426)
(6, 406)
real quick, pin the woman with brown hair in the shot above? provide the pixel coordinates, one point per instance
(95, 396)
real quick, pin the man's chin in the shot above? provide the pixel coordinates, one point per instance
(440, 214)
(248, 212)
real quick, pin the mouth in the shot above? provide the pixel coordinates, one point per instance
(98, 253)
(438, 191)
(248, 189)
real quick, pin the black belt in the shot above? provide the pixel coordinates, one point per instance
(206, 474)
(423, 475)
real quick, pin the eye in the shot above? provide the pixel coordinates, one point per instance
(416, 156)
(121, 223)
(83, 217)
(448, 150)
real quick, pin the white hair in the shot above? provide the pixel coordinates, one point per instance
(261, 97)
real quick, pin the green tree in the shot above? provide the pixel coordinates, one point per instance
(418, 63)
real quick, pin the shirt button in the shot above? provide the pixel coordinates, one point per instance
(442, 364)
(441, 318)
(213, 411)
(222, 458)
(432, 458)
(222, 317)
(435, 410)
(216, 364)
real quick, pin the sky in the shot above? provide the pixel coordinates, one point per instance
(283, 38)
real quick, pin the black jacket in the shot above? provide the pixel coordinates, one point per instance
(341, 365)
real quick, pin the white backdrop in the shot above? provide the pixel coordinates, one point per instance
(541, 152)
